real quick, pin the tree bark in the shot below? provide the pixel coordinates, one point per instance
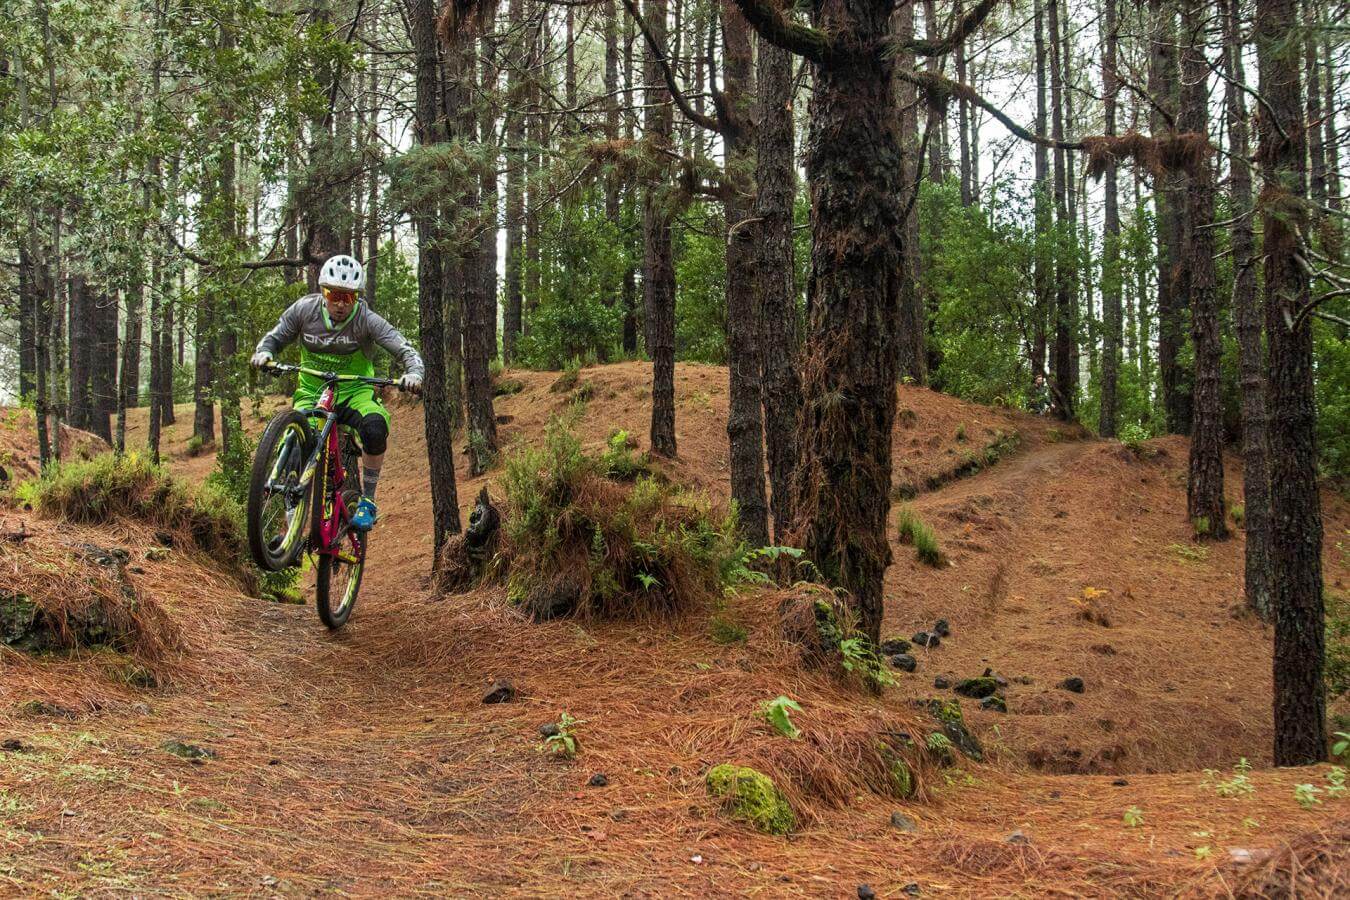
(1063, 384)
(430, 304)
(658, 281)
(1296, 571)
(1170, 200)
(515, 195)
(1043, 275)
(480, 333)
(1111, 271)
(1204, 494)
(913, 360)
(1246, 310)
(775, 176)
(745, 423)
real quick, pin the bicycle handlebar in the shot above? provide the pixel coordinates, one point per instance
(276, 367)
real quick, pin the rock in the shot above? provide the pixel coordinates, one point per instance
(502, 691)
(1073, 684)
(926, 639)
(549, 729)
(43, 709)
(599, 779)
(911, 889)
(904, 661)
(14, 745)
(751, 796)
(902, 822)
(1024, 679)
(1120, 782)
(190, 752)
(942, 682)
(553, 600)
(1000, 681)
(941, 628)
(1017, 837)
(977, 688)
(164, 538)
(996, 703)
(892, 646)
(948, 714)
(865, 892)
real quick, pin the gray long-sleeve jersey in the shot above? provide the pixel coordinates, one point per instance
(364, 330)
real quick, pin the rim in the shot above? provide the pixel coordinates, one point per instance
(283, 508)
(345, 574)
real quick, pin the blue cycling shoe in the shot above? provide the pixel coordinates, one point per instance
(366, 515)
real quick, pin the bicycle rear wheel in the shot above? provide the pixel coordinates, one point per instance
(277, 502)
(338, 579)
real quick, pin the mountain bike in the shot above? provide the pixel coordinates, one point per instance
(300, 476)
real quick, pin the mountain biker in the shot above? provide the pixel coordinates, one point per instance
(338, 333)
(1039, 400)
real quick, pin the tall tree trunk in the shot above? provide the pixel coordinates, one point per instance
(515, 195)
(630, 306)
(1204, 494)
(1111, 271)
(913, 360)
(28, 322)
(775, 175)
(658, 282)
(1043, 275)
(963, 117)
(1296, 571)
(1063, 383)
(1170, 201)
(745, 423)
(853, 165)
(1334, 229)
(937, 149)
(480, 332)
(1247, 312)
(430, 304)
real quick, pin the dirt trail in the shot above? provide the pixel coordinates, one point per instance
(364, 762)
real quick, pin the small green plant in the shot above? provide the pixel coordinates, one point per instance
(939, 743)
(1306, 795)
(1204, 852)
(775, 712)
(1200, 525)
(620, 462)
(1341, 749)
(961, 432)
(1336, 782)
(1237, 786)
(562, 742)
(1133, 817)
(1238, 511)
(858, 658)
(913, 530)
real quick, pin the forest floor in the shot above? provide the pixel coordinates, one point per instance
(365, 762)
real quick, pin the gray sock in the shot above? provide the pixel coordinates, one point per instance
(370, 479)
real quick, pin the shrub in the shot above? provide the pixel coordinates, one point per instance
(724, 631)
(1133, 437)
(914, 531)
(577, 541)
(111, 487)
(1338, 642)
(1239, 513)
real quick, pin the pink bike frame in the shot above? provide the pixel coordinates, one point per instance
(328, 530)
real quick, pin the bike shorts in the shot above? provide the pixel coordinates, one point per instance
(359, 410)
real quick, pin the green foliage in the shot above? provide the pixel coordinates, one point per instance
(1237, 786)
(562, 742)
(751, 796)
(913, 530)
(619, 460)
(1133, 817)
(1190, 552)
(1238, 512)
(396, 297)
(1133, 436)
(860, 659)
(1306, 795)
(1341, 748)
(700, 279)
(580, 273)
(775, 712)
(648, 540)
(1332, 392)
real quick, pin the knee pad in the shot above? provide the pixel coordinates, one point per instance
(374, 433)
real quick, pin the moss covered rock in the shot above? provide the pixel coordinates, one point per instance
(977, 688)
(948, 714)
(752, 796)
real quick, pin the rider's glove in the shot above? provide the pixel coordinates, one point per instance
(260, 359)
(410, 382)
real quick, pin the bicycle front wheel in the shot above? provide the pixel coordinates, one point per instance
(338, 579)
(277, 501)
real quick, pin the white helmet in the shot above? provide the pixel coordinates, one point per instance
(342, 272)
